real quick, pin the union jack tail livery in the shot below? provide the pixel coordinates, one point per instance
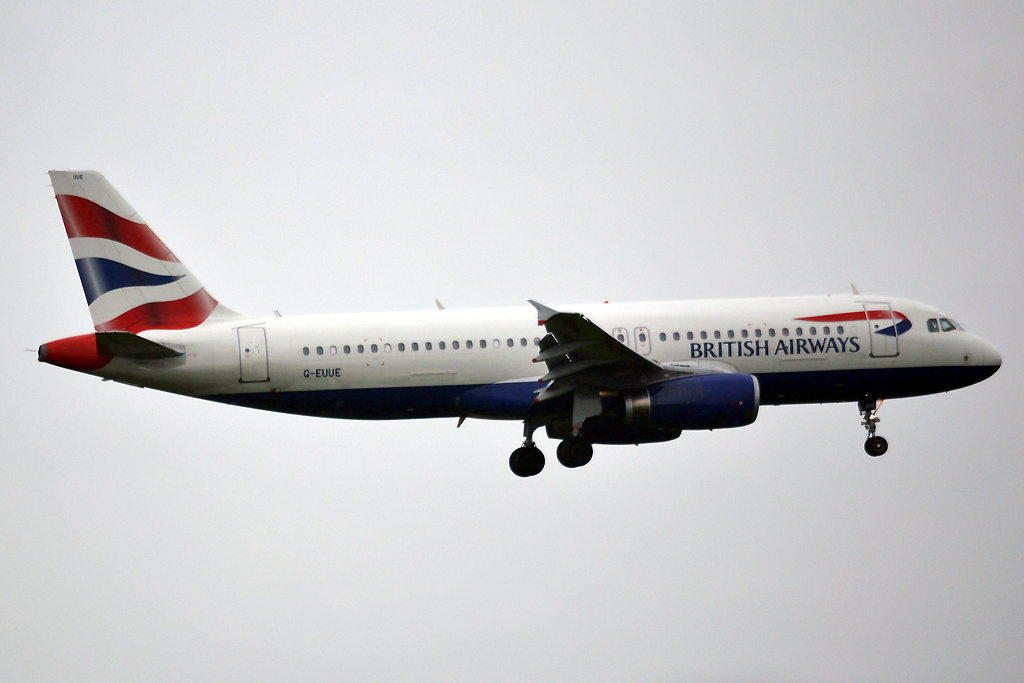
(131, 279)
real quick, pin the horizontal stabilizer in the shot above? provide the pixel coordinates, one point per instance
(128, 345)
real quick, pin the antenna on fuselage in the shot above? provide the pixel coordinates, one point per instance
(439, 306)
(854, 288)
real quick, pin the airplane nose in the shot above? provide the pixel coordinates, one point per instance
(991, 355)
(995, 358)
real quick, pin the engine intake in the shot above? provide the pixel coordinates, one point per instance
(698, 402)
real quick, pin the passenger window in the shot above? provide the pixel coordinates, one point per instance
(730, 334)
(401, 346)
(785, 331)
(703, 335)
(319, 350)
(675, 336)
(825, 331)
(536, 341)
(771, 331)
(387, 348)
(522, 342)
(428, 346)
(662, 336)
(469, 343)
(347, 349)
(440, 346)
(359, 348)
(839, 329)
(933, 325)
(509, 343)
(373, 348)
(496, 343)
(415, 346)
(455, 345)
(744, 333)
(334, 350)
(620, 338)
(305, 350)
(643, 337)
(689, 336)
(814, 331)
(799, 331)
(946, 325)
(483, 343)
(718, 335)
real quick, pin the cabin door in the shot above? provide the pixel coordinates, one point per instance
(252, 353)
(882, 331)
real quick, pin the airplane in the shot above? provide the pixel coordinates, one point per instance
(591, 374)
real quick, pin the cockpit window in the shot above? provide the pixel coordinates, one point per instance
(933, 325)
(946, 325)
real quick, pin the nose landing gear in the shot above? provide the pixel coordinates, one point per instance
(875, 445)
(528, 460)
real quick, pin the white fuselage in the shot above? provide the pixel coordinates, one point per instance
(231, 359)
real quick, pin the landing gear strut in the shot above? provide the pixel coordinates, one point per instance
(875, 445)
(528, 460)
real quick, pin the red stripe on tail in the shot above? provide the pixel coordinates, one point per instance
(83, 218)
(181, 314)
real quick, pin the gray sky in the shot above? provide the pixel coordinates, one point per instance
(321, 158)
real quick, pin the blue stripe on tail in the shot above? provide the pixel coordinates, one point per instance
(100, 275)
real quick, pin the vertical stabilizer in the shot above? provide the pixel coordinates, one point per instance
(132, 281)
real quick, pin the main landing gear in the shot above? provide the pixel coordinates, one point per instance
(875, 445)
(528, 460)
(574, 452)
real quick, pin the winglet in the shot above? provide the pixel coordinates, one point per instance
(543, 312)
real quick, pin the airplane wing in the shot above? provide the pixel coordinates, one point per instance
(578, 353)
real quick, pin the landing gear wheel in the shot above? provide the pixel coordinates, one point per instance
(574, 452)
(876, 446)
(527, 461)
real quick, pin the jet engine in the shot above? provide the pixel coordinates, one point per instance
(697, 402)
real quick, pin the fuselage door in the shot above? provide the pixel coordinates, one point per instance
(622, 334)
(882, 331)
(643, 340)
(252, 352)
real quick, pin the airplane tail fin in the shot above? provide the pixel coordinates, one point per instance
(131, 279)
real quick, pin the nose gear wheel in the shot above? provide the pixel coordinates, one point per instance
(875, 445)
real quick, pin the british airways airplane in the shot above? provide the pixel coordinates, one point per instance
(590, 374)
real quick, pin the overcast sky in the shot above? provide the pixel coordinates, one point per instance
(317, 157)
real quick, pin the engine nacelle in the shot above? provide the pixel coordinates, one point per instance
(697, 402)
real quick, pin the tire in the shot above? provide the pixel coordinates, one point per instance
(574, 452)
(876, 446)
(526, 461)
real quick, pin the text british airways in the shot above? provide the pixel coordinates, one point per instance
(783, 347)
